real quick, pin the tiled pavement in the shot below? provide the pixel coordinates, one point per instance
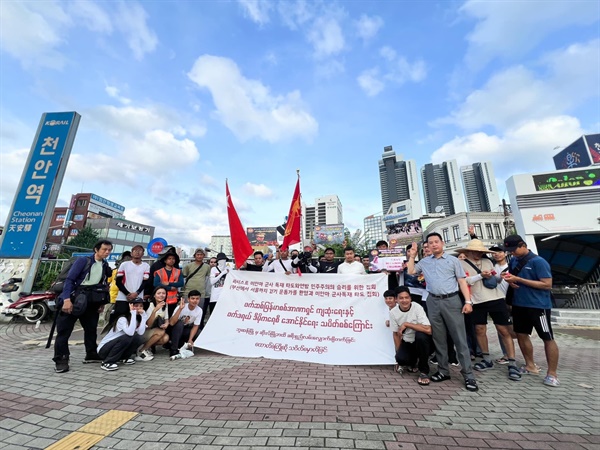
(219, 402)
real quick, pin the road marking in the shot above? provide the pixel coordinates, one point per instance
(93, 432)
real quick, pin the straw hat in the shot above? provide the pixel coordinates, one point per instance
(475, 245)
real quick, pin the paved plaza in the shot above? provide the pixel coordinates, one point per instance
(213, 401)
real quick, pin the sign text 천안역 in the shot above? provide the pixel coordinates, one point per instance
(41, 178)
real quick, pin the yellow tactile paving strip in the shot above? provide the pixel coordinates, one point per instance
(94, 432)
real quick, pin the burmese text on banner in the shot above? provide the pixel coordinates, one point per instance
(321, 318)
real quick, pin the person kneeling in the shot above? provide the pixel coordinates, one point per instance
(185, 323)
(412, 337)
(124, 338)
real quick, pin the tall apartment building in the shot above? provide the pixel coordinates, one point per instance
(373, 226)
(399, 181)
(480, 187)
(327, 210)
(220, 244)
(443, 188)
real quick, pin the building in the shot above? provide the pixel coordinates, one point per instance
(327, 210)
(442, 188)
(123, 234)
(399, 212)
(558, 215)
(220, 244)
(583, 152)
(480, 187)
(454, 229)
(374, 230)
(66, 222)
(398, 180)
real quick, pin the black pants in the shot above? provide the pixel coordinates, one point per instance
(180, 334)
(415, 353)
(205, 303)
(120, 348)
(64, 327)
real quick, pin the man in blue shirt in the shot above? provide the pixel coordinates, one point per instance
(530, 278)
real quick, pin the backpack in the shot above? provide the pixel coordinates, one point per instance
(59, 284)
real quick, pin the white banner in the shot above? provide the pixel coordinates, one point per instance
(321, 318)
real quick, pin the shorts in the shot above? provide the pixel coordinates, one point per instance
(526, 319)
(495, 308)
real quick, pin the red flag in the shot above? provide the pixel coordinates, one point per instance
(239, 240)
(292, 229)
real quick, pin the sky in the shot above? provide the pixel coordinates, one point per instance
(177, 97)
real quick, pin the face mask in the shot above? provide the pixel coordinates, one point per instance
(221, 264)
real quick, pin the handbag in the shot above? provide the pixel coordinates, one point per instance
(80, 304)
(490, 283)
(510, 292)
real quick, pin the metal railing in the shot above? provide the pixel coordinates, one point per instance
(588, 294)
(47, 271)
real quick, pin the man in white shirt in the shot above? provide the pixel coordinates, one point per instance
(283, 264)
(350, 266)
(132, 277)
(185, 323)
(412, 335)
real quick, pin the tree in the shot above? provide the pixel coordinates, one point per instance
(83, 242)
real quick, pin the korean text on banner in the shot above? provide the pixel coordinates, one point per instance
(327, 319)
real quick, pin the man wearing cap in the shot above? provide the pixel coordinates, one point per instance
(303, 261)
(283, 264)
(445, 276)
(488, 298)
(195, 274)
(530, 280)
(157, 265)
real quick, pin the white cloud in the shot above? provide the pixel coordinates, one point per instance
(563, 86)
(95, 18)
(398, 70)
(367, 27)
(522, 148)
(512, 29)
(32, 32)
(256, 10)
(247, 107)
(257, 190)
(114, 92)
(131, 20)
(294, 14)
(370, 83)
(326, 37)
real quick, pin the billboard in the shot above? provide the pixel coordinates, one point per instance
(35, 198)
(262, 237)
(575, 155)
(404, 233)
(567, 180)
(329, 234)
(593, 145)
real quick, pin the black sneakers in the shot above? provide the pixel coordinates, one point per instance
(61, 364)
(93, 358)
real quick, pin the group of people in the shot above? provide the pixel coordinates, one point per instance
(472, 286)
(164, 305)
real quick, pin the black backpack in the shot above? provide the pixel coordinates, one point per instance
(59, 284)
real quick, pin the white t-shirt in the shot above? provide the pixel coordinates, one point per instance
(354, 267)
(416, 314)
(275, 266)
(217, 280)
(123, 328)
(133, 275)
(190, 316)
(502, 284)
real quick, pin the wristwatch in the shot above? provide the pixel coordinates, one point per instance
(469, 302)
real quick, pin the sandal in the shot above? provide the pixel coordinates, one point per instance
(503, 360)
(525, 371)
(439, 377)
(471, 385)
(412, 370)
(514, 373)
(423, 380)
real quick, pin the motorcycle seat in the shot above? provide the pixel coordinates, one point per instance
(24, 294)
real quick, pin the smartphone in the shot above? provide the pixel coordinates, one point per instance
(493, 272)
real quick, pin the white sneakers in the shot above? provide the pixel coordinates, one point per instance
(146, 355)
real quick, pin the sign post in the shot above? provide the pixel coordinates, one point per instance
(31, 211)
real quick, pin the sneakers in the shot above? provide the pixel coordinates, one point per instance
(93, 358)
(146, 355)
(454, 363)
(109, 367)
(551, 381)
(61, 365)
(128, 361)
(398, 369)
(483, 365)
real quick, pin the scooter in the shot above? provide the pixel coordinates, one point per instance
(32, 306)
